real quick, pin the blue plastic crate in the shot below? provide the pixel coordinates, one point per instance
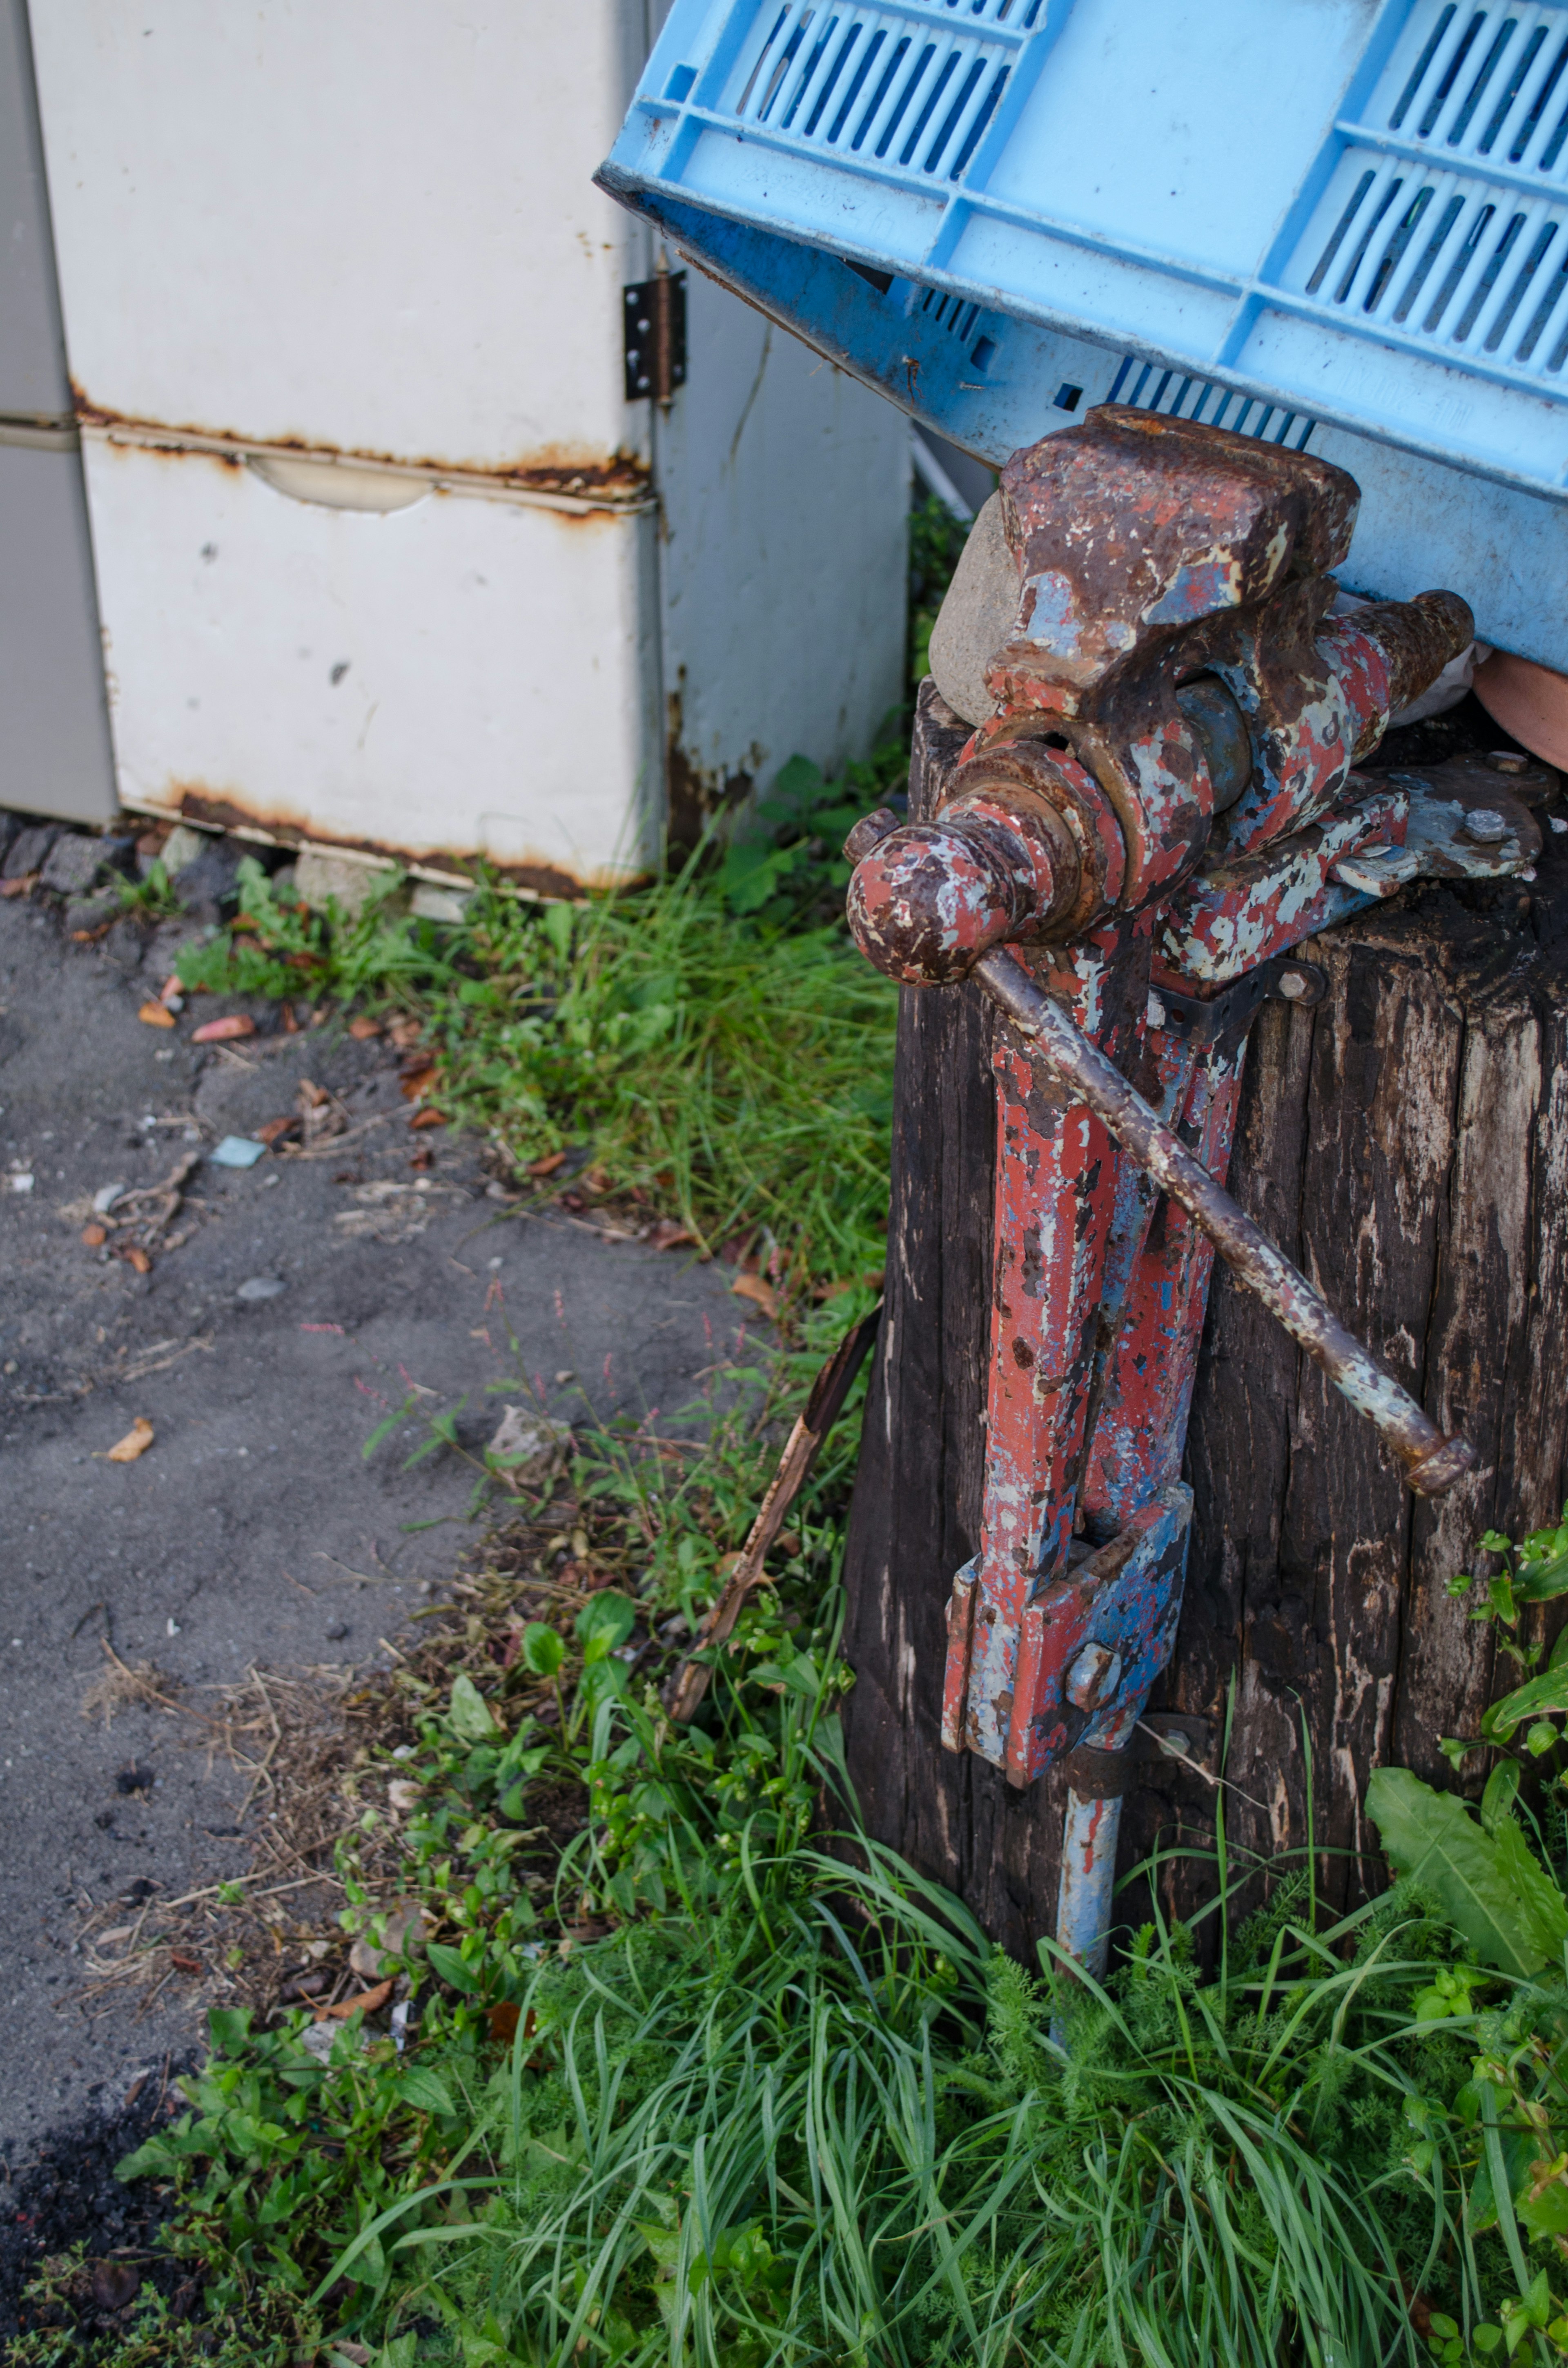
(1331, 222)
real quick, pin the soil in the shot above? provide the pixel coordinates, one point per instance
(70, 2196)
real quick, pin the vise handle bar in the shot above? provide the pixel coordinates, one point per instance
(1431, 1462)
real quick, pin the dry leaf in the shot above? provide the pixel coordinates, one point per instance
(428, 1118)
(137, 1440)
(172, 991)
(275, 1130)
(22, 887)
(183, 1962)
(751, 1286)
(668, 1233)
(219, 1031)
(369, 1999)
(404, 1032)
(548, 1165)
(364, 1028)
(156, 1015)
(94, 1237)
(135, 1255)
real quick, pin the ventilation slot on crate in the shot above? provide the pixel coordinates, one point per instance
(1480, 82)
(952, 313)
(1145, 386)
(1446, 220)
(1449, 260)
(913, 86)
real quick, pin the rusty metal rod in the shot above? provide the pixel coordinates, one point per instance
(1432, 1463)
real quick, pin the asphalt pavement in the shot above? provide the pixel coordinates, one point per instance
(285, 1307)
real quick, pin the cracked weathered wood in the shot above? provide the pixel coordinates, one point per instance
(1406, 1143)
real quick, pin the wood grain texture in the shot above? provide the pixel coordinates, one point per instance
(1406, 1143)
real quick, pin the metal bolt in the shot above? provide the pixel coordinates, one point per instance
(1094, 1675)
(1485, 825)
(1292, 985)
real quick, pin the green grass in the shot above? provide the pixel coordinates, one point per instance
(790, 2108)
(713, 1046)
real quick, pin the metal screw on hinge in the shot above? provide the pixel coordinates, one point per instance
(655, 315)
(1094, 1675)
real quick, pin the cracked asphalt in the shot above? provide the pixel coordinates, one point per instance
(255, 1530)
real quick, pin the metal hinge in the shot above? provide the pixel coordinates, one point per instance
(654, 316)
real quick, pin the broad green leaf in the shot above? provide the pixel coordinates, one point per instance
(543, 1650)
(1537, 1697)
(150, 2161)
(469, 1715)
(1488, 1886)
(424, 2090)
(228, 2029)
(1497, 1801)
(451, 1968)
(663, 2243)
(609, 1615)
(1541, 1892)
(1546, 2214)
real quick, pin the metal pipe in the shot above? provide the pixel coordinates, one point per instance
(1088, 1878)
(1432, 1463)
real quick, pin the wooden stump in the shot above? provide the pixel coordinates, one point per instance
(1406, 1143)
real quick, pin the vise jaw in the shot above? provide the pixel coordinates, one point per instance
(1172, 693)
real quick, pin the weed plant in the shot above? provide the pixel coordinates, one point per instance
(715, 1047)
(731, 2091)
(710, 2078)
(806, 2115)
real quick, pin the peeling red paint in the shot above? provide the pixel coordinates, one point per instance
(1079, 831)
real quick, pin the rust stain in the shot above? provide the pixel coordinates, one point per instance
(225, 809)
(567, 469)
(694, 793)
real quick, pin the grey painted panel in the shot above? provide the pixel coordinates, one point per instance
(55, 756)
(33, 382)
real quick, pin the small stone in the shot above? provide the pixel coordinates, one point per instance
(263, 1286)
(71, 864)
(30, 851)
(238, 1151)
(208, 887)
(350, 885)
(182, 846)
(431, 903)
(526, 1449)
(336, 1632)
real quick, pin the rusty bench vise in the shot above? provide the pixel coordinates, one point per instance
(1163, 804)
